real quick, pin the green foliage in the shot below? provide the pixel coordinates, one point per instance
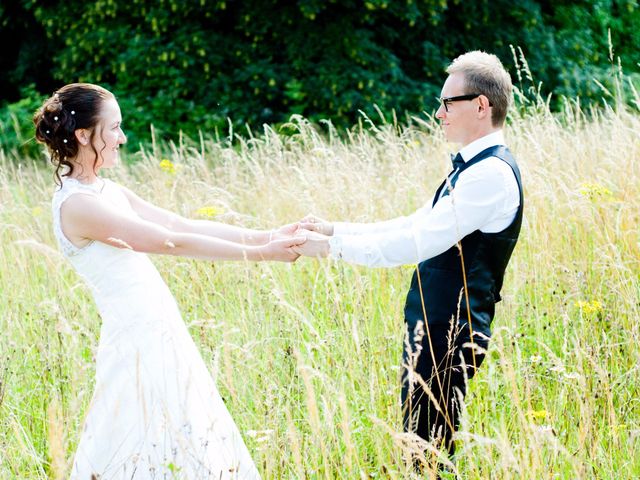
(190, 65)
(16, 125)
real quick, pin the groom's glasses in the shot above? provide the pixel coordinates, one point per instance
(445, 101)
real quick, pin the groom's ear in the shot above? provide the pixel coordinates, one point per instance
(484, 106)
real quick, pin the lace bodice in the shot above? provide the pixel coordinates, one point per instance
(68, 188)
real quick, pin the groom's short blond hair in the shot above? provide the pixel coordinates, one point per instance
(483, 73)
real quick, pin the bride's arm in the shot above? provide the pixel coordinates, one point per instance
(176, 223)
(89, 217)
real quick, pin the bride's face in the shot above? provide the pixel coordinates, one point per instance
(108, 135)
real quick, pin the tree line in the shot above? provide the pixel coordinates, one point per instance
(193, 64)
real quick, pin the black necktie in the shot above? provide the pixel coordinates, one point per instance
(457, 161)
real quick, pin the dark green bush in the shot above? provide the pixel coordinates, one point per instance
(16, 125)
(189, 65)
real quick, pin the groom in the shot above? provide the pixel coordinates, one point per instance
(461, 240)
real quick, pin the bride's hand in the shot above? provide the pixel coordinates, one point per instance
(316, 224)
(282, 249)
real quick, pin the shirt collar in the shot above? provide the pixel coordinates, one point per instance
(477, 146)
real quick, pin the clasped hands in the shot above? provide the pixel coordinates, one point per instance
(314, 234)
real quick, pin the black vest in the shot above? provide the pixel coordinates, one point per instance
(485, 259)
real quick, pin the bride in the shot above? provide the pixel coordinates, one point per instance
(155, 411)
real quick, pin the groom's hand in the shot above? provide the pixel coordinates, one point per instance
(317, 245)
(285, 231)
(316, 224)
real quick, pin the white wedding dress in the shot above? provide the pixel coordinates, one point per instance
(155, 412)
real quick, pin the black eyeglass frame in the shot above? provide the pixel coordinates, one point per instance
(459, 98)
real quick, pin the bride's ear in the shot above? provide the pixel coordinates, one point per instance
(82, 136)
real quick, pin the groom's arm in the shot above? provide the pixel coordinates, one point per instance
(354, 228)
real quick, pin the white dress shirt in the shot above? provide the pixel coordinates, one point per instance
(485, 198)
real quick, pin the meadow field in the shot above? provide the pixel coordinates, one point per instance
(307, 356)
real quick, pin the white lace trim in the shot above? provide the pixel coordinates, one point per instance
(68, 188)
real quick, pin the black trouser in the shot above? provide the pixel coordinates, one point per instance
(442, 362)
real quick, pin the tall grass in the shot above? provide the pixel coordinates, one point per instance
(307, 355)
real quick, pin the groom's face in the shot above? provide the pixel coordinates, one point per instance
(458, 118)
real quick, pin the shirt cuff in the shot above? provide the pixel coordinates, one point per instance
(340, 228)
(335, 246)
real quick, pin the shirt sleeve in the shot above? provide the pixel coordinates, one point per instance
(476, 200)
(398, 223)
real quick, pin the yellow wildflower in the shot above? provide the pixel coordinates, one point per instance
(36, 211)
(594, 190)
(209, 211)
(538, 414)
(590, 308)
(167, 166)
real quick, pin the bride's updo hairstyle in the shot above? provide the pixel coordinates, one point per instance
(73, 107)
